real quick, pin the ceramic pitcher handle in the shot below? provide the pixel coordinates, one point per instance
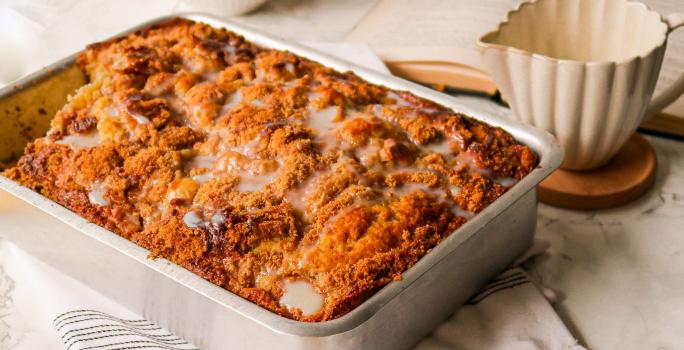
(674, 21)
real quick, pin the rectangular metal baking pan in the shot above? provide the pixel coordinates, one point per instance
(396, 317)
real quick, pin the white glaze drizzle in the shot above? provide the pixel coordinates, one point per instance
(298, 197)
(233, 101)
(506, 181)
(140, 119)
(257, 103)
(79, 142)
(290, 67)
(96, 194)
(443, 147)
(322, 120)
(203, 178)
(217, 218)
(192, 219)
(254, 183)
(201, 162)
(300, 294)
(195, 219)
(398, 100)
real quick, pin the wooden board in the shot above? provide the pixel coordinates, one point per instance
(666, 124)
(455, 76)
(626, 177)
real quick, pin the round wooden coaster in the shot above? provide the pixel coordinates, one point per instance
(626, 177)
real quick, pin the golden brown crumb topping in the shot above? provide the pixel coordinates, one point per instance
(297, 187)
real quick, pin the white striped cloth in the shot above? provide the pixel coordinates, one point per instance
(511, 312)
(510, 279)
(92, 329)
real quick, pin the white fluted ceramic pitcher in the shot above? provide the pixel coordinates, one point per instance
(584, 70)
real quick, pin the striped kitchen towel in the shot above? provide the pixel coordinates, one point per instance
(92, 329)
(510, 279)
(510, 313)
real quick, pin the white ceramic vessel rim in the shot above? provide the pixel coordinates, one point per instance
(484, 43)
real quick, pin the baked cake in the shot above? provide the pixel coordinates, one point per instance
(294, 186)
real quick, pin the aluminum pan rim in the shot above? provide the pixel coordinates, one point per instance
(541, 142)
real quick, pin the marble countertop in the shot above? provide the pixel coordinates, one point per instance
(622, 270)
(619, 272)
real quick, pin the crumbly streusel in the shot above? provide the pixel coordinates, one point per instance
(297, 187)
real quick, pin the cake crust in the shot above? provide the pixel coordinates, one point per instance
(294, 186)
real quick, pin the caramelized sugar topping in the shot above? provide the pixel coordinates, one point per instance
(300, 188)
